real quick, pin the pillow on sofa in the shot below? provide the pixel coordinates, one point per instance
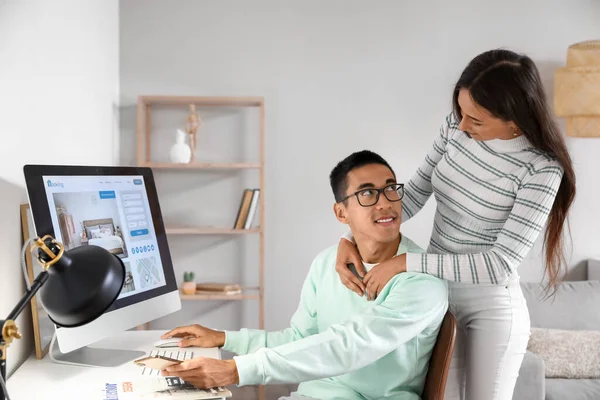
(567, 354)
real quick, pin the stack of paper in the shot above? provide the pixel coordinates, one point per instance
(172, 388)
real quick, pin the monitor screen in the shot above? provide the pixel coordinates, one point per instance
(111, 212)
(115, 208)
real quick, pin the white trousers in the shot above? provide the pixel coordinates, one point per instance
(493, 331)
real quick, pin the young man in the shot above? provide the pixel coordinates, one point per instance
(339, 345)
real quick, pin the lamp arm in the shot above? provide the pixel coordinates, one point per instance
(35, 286)
(8, 328)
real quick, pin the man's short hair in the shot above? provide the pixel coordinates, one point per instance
(339, 175)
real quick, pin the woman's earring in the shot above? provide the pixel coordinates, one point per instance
(515, 131)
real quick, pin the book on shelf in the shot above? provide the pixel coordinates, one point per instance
(172, 388)
(248, 208)
(218, 288)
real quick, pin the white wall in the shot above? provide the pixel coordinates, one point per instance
(340, 76)
(59, 105)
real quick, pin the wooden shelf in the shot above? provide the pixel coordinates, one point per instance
(219, 296)
(249, 293)
(190, 230)
(208, 165)
(204, 101)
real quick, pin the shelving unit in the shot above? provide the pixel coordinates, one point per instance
(190, 230)
(248, 293)
(144, 134)
(202, 165)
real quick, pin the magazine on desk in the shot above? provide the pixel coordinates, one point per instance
(171, 388)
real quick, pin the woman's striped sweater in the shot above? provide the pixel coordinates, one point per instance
(493, 200)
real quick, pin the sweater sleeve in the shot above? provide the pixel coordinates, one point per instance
(418, 190)
(413, 304)
(529, 214)
(302, 324)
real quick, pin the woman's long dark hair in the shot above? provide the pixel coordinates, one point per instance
(508, 85)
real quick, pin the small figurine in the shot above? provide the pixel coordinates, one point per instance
(192, 124)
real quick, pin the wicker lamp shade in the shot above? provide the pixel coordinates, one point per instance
(577, 90)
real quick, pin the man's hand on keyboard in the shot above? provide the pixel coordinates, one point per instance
(197, 335)
(205, 373)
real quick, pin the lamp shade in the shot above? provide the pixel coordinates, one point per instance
(82, 285)
(577, 89)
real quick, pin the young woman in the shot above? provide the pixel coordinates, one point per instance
(501, 174)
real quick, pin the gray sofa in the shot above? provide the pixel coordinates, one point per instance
(576, 306)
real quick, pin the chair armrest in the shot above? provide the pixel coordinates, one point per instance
(531, 383)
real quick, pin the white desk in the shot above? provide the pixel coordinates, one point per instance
(44, 379)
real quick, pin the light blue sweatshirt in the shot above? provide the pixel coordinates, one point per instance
(342, 346)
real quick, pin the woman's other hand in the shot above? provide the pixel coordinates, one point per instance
(348, 254)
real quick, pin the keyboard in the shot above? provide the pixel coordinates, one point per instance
(176, 354)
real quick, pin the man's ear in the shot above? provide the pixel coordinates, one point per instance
(340, 212)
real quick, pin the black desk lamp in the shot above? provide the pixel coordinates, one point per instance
(79, 285)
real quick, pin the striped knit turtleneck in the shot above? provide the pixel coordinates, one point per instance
(493, 199)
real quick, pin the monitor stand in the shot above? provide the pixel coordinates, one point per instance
(92, 357)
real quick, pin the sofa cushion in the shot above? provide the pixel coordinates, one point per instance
(567, 354)
(557, 312)
(572, 389)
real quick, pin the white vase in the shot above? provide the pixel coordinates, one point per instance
(180, 152)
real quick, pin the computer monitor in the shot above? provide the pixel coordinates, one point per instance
(116, 208)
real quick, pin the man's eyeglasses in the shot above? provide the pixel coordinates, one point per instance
(370, 197)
